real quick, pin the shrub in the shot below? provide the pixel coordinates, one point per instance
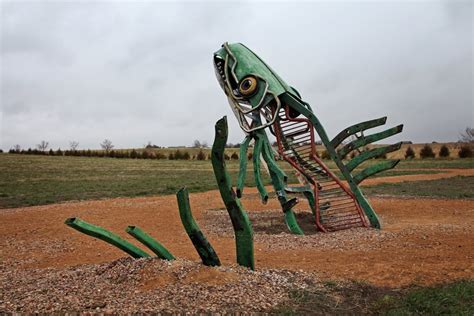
(325, 155)
(234, 156)
(171, 156)
(112, 154)
(465, 151)
(186, 156)
(409, 153)
(201, 155)
(250, 156)
(444, 151)
(159, 155)
(226, 157)
(145, 154)
(178, 154)
(353, 154)
(51, 152)
(382, 156)
(133, 154)
(427, 152)
(59, 152)
(1, 151)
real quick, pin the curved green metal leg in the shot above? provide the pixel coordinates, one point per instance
(203, 247)
(278, 181)
(240, 221)
(257, 152)
(150, 242)
(107, 236)
(242, 166)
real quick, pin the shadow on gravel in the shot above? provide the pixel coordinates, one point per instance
(263, 222)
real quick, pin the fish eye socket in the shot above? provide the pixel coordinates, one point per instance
(248, 86)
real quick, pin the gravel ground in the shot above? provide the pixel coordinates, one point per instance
(270, 230)
(147, 285)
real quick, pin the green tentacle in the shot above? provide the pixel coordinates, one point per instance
(278, 181)
(240, 221)
(150, 242)
(244, 146)
(256, 169)
(202, 245)
(107, 236)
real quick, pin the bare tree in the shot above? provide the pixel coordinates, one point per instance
(204, 144)
(106, 145)
(197, 144)
(17, 148)
(73, 145)
(43, 145)
(468, 135)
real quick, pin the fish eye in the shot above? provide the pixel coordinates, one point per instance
(248, 86)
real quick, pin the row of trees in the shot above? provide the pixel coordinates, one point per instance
(465, 151)
(132, 154)
(107, 145)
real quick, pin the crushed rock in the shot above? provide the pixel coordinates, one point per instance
(147, 285)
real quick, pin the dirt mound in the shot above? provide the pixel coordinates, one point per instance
(148, 285)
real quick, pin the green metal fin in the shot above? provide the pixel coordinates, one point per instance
(373, 153)
(351, 130)
(364, 140)
(107, 236)
(369, 171)
(202, 245)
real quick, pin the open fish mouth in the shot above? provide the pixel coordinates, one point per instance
(250, 118)
(219, 64)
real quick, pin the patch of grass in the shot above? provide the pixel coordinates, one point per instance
(357, 298)
(458, 187)
(28, 180)
(333, 298)
(451, 299)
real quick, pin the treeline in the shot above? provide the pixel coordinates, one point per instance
(130, 154)
(465, 151)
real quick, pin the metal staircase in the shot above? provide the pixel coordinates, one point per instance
(335, 206)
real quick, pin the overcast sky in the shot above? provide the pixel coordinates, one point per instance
(135, 72)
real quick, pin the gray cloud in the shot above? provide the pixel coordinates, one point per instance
(134, 72)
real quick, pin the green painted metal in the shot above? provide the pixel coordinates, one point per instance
(234, 62)
(307, 192)
(150, 242)
(369, 171)
(256, 170)
(269, 157)
(278, 181)
(202, 245)
(105, 235)
(363, 203)
(240, 221)
(359, 127)
(244, 146)
(368, 139)
(369, 154)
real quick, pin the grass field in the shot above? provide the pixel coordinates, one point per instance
(36, 180)
(355, 298)
(451, 188)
